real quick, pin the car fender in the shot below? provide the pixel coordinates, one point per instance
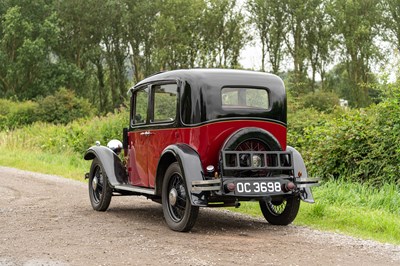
(191, 166)
(300, 167)
(112, 164)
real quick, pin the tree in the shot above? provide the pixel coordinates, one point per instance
(28, 68)
(176, 34)
(357, 23)
(114, 39)
(223, 34)
(268, 17)
(140, 34)
(392, 13)
(297, 13)
(79, 48)
(320, 40)
(97, 48)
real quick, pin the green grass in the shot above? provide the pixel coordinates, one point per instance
(68, 165)
(348, 208)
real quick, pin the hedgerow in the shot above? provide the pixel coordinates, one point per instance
(61, 108)
(76, 136)
(361, 145)
(16, 114)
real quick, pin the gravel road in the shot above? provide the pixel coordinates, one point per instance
(48, 220)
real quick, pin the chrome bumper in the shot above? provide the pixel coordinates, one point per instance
(215, 184)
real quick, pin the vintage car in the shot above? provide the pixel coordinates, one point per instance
(204, 138)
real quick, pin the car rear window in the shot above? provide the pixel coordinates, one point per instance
(245, 98)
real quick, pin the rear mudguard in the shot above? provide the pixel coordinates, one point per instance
(191, 167)
(300, 167)
(112, 164)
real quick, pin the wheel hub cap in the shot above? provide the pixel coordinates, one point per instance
(173, 196)
(94, 183)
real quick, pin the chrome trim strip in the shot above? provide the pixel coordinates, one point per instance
(199, 189)
(142, 190)
(206, 182)
(307, 185)
(306, 180)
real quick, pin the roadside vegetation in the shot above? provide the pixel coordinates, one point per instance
(355, 151)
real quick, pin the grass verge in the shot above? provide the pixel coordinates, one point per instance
(348, 208)
(70, 165)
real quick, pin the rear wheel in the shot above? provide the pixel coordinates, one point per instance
(179, 213)
(100, 191)
(282, 211)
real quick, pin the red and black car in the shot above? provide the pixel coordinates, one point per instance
(204, 138)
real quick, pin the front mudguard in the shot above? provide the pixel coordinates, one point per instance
(300, 172)
(191, 166)
(112, 164)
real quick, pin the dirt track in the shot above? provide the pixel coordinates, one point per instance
(48, 220)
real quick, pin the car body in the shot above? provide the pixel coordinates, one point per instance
(204, 138)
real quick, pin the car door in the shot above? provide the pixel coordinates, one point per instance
(137, 138)
(154, 128)
(162, 130)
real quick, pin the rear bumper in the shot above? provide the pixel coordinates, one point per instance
(254, 187)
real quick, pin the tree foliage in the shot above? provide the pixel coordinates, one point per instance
(315, 34)
(268, 17)
(357, 24)
(99, 48)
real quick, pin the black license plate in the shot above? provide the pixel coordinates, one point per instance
(257, 187)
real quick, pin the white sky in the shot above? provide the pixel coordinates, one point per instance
(250, 56)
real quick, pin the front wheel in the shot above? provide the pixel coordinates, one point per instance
(280, 212)
(179, 213)
(100, 191)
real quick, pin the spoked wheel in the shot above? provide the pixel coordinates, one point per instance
(251, 145)
(100, 191)
(282, 211)
(179, 213)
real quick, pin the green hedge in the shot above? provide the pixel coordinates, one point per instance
(60, 108)
(63, 107)
(76, 136)
(16, 114)
(361, 145)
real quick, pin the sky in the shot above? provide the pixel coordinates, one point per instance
(250, 56)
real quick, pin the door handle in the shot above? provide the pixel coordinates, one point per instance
(146, 133)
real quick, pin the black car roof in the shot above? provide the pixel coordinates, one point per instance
(212, 76)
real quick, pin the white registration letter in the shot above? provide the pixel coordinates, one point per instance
(246, 187)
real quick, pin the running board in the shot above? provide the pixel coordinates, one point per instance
(142, 190)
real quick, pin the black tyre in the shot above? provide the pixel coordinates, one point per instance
(100, 191)
(179, 213)
(280, 212)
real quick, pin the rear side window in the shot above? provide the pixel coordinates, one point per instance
(165, 100)
(245, 98)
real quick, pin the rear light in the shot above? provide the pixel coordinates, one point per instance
(229, 187)
(290, 186)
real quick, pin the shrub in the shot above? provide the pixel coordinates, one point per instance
(76, 136)
(16, 114)
(321, 101)
(63, 107)
(361, 145)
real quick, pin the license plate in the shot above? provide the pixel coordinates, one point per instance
(254, 187)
